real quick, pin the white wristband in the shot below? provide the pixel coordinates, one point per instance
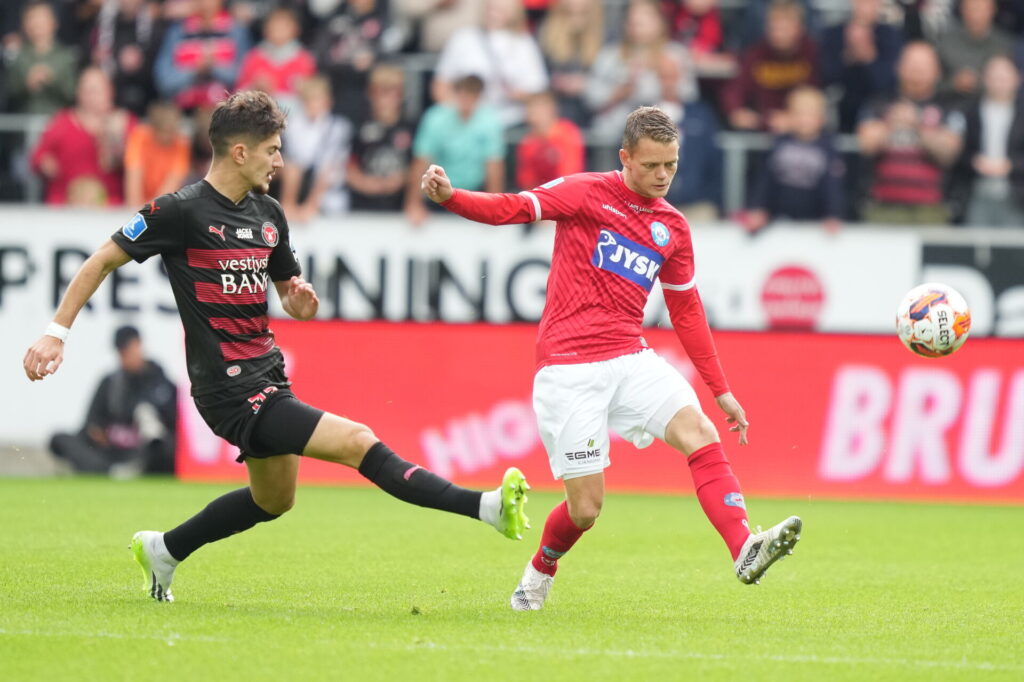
(57, 331)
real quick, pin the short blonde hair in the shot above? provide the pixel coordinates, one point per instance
(649, 122)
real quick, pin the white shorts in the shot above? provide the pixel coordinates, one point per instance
(636, 395)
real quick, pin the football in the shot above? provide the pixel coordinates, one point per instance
(933, 320)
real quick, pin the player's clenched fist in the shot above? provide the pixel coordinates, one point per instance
(436, 185)
(43, 357)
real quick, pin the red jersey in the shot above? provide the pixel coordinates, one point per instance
(611, 244)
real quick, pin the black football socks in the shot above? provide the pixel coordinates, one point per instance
(412, 483)
(228, 514)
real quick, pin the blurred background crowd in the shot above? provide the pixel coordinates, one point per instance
(887, 111)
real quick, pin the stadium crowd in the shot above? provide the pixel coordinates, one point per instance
(889, 111)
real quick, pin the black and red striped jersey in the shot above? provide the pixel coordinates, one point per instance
(221, 258)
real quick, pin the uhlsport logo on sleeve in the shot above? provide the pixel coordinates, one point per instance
(134, 228)
(625, 258)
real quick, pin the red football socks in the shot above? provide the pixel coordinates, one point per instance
(560, 534)
(719, 494)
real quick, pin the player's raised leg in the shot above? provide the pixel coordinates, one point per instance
(584, 497)
(343, 441)
(718, 491)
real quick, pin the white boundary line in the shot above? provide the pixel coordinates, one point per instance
(173, 638)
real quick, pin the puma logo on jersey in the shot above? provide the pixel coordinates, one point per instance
(219, 231)
(625, 258)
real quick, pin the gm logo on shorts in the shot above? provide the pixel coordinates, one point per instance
(583, 455)
(625, 258)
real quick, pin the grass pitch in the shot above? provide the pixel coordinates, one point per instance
(353, 585)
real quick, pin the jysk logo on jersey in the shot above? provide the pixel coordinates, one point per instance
(659, 232)
(134, 228)
(626, 258)
(269, 233)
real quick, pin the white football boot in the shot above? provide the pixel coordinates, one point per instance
(532, 590)
(764, 548)
(157, 563)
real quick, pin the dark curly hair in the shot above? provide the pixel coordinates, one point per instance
(251, 114)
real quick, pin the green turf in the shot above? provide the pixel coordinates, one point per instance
(354, 585)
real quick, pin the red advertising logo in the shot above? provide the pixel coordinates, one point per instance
(793, 298)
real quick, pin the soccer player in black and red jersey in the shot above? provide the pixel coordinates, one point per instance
(223, 241)
(615, 235)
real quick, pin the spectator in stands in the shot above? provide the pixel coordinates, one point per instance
(86, 140)
(694, 23)
(381, 146)
(41, 78)
(925, 19)
(912, 139)
(697, 24)
(967, 45)
(132, 421)
(200, 56)
(502, 52)
(434, 22)
(351, 42)
(645, 68)
(156, 157)
(748, 28)
(783, 60)
(992, 163)
(552, 147)
(315, 146)
(466, 137)
(278, 63)
(697, 188)
(124, 44)
(859, 57)
(571, 36)
(803, 175)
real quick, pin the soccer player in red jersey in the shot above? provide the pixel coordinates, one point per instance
(223, 240)
(615, 235)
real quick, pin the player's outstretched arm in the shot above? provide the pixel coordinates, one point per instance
(483, 207)
(45, 355)
(298, 298)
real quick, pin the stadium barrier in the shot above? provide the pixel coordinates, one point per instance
(377, 268)
(831, 415)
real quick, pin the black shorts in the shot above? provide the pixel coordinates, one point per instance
(271, 421)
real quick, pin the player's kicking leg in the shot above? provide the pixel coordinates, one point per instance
(718, 492)
(272, 490)
(340, 440)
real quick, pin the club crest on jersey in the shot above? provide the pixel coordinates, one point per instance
(269, 233)
(233, 371)
(626, 258)
(134, 227)
(659, 232)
